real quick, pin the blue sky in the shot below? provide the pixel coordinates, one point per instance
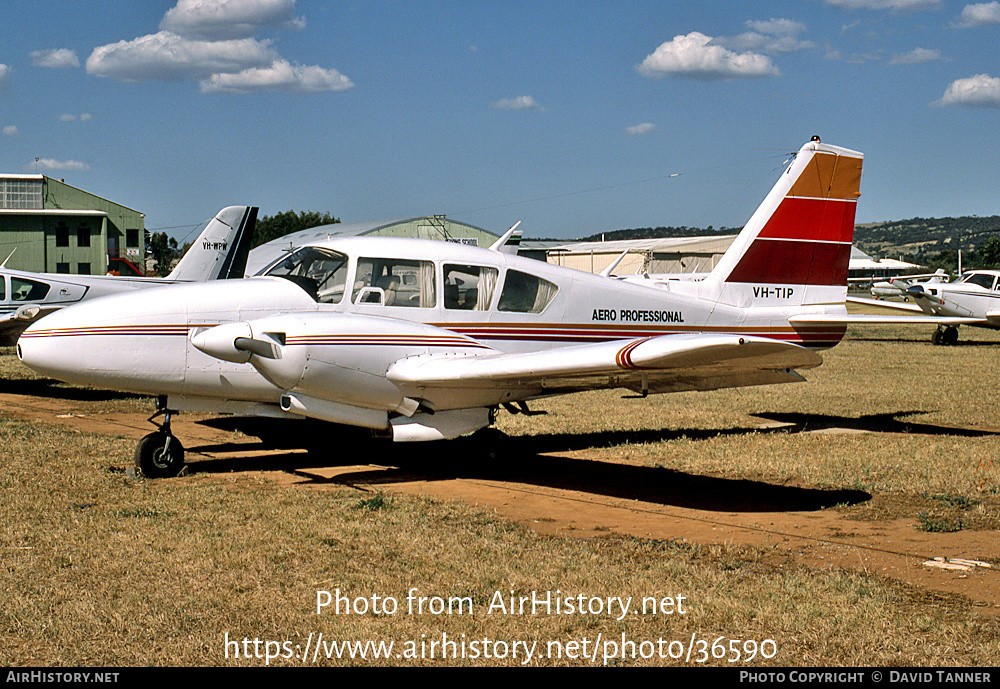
(574, 117)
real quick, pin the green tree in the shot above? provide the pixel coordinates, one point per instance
(281, 224)
(163, 250)
(988, 255)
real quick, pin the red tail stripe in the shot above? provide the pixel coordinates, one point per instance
(788, 262)
(811, 219)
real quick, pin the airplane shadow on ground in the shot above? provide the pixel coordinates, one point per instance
(523, 460)
(54, 389)
(876, 423)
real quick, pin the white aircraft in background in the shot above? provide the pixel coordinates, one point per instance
(220, 252)
(974, 297)
(897, 286)
(424, 340)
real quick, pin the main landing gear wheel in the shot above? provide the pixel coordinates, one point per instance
(945, 336)
(159, 455)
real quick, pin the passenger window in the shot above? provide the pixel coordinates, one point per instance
(27, 290)
(3, 288)
(469, 288)
(320, 272)
(394, 282)
(524, 293)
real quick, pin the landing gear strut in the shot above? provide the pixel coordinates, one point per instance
(160, 454)
(945, 336)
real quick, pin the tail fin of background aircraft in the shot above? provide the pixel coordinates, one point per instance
(221, 251)
(796, 248)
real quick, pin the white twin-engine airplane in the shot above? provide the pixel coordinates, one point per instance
(424, 340)
(220, 252)
(972, 299)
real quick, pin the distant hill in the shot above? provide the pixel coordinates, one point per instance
(926, 236)
(649, 233)
(932, 242)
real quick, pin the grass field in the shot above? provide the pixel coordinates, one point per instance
(103, 569)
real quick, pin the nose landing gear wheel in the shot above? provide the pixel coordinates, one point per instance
(159, 455)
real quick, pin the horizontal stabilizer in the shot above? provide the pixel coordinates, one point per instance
(878, 319)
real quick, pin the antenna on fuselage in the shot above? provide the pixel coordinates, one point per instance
(499, 244)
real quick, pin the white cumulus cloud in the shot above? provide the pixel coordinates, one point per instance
(279, 76)
(695, 56)
(979, 14)
(5, 72)
(54, 57)
(227, 19)
(981, 91)
(168, 56)
(638, 129)
(213, 42)
(10, 130)
(517, 103)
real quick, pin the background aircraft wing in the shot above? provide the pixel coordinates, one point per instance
(664, 363)
(896, 305)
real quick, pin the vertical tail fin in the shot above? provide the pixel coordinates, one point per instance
(796, 248)
(221, 251)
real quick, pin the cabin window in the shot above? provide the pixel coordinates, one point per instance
(27, 290)
(394, 282)
(524, 293)
(469, 288)
(320, 272)
(3, 288)
(981, 279)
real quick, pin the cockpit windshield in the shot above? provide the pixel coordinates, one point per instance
(320, 272)
(982, 279)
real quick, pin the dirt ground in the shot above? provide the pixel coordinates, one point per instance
(582, 492)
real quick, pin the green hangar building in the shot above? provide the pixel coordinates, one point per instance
(53, 227)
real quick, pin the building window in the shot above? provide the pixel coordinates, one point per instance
(62, 268)
(132, 239)
(83, 268)
(62, 234)
(83, 236)
(24, 194)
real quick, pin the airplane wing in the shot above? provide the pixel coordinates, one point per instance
(664, 363)
(16, 322)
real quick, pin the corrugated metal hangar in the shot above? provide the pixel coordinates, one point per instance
(424, 227)
(665, 255)
(57, 228)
